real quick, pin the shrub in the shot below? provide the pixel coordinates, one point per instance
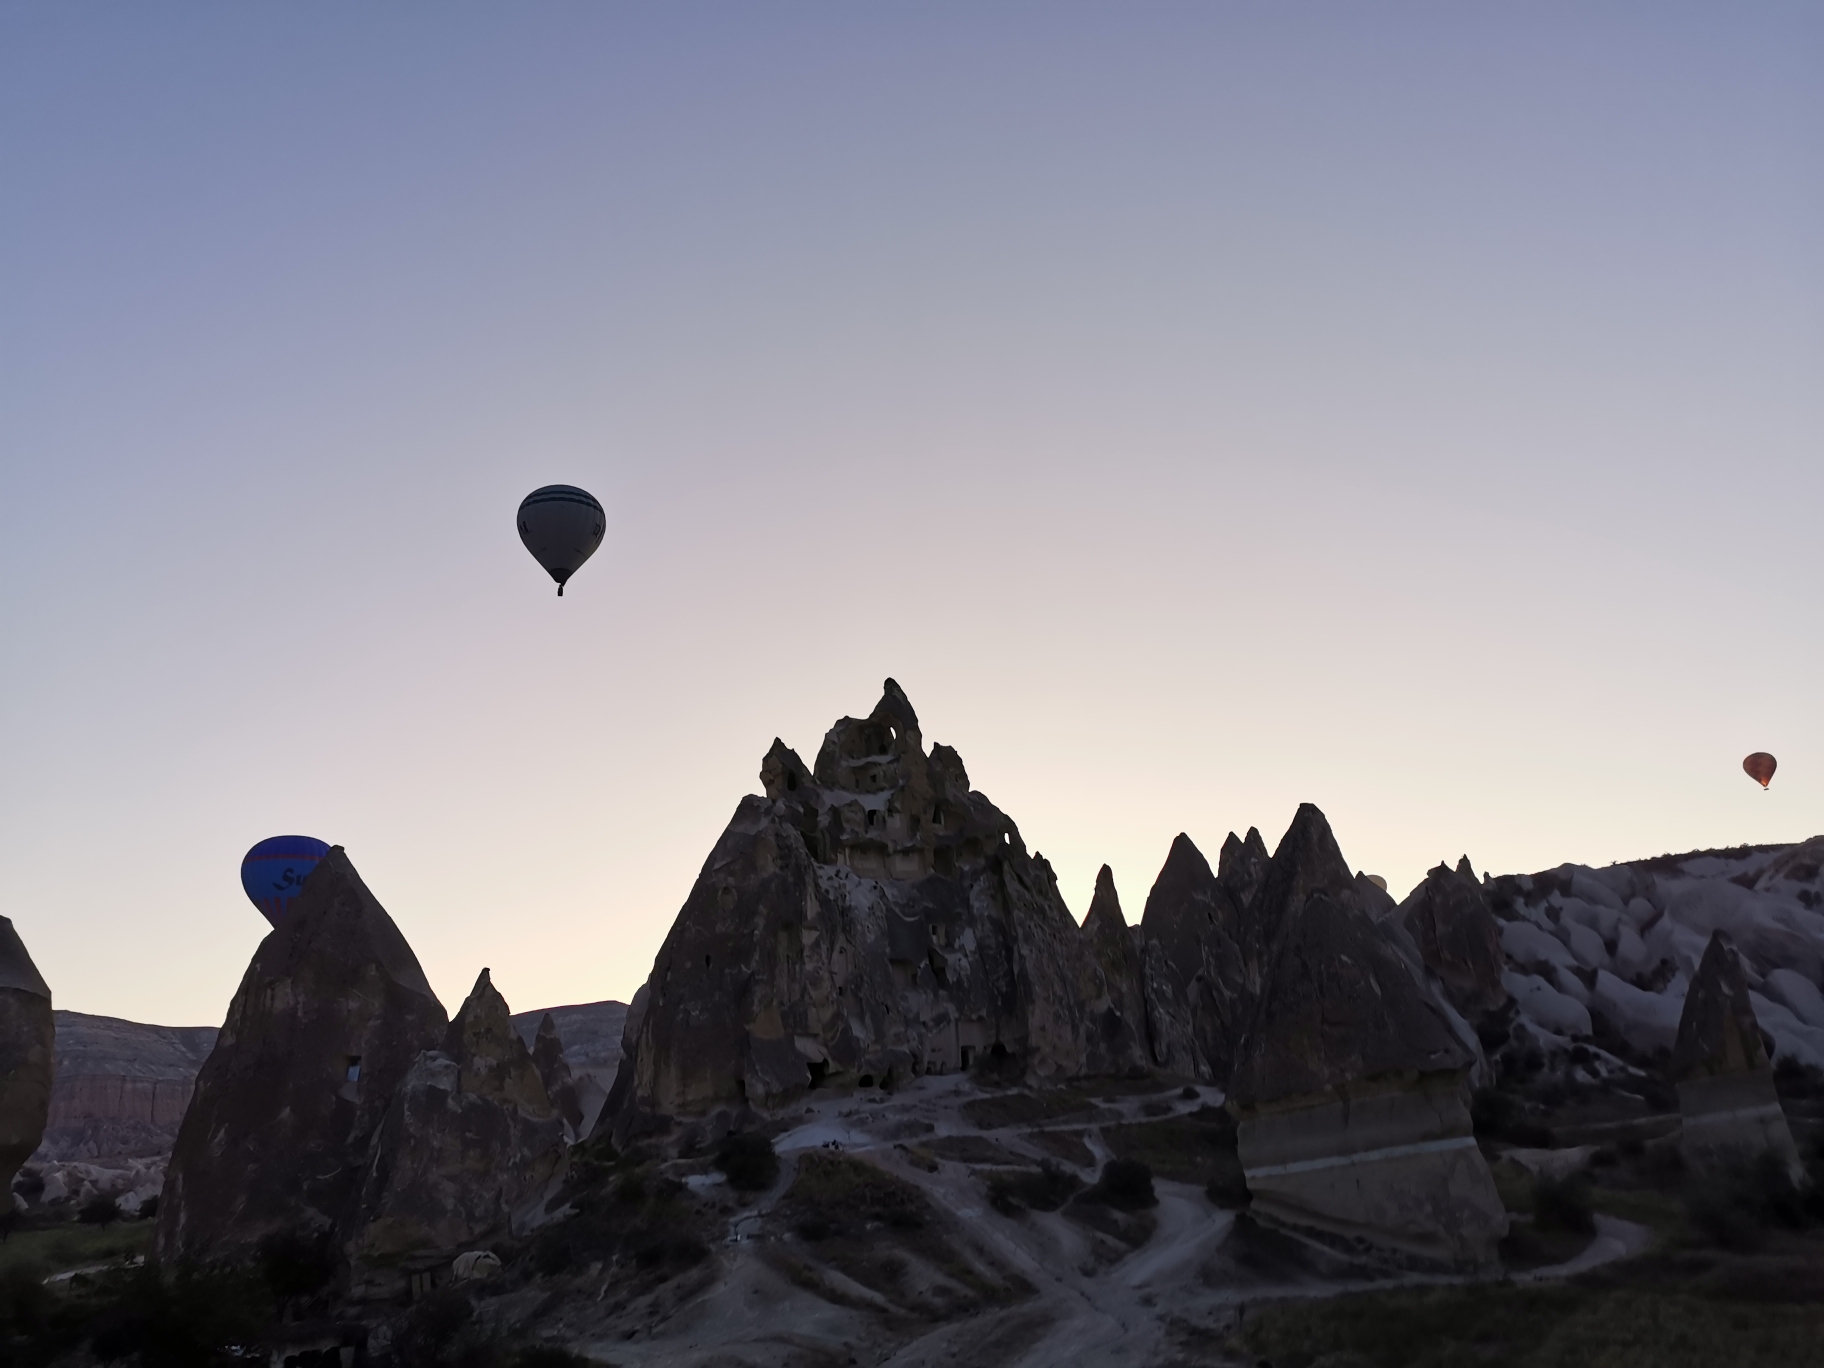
(749, 1161)
(101, 1211)
(1126, 1184)
(1735, 1204)
(1500, 1115)
(1045, 1188)
(1563, 1204)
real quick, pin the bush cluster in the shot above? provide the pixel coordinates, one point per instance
(749, 1162)
(1045, 1188)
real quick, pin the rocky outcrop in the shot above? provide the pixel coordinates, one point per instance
(121, 1087)
(1449, 919)
(867, 920)
(554, 1073)
(1241, 865)
(329, 1018)
(469, 1150)
(27, 1052)
(1117, 951)
(1723, 1071)
(1197, 971)
(1350, 1089)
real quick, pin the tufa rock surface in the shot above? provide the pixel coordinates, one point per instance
(1116, 950)
(1350, 1089)
(554, 1072)
(328, 1019)
(1449, 919)
(1724, 1074)
(469, 1150)
(27, 1056)
(1197, 975)
(868, 919)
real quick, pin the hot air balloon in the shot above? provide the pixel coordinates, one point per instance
(273, 872)
(1760, 767)
(561, 526)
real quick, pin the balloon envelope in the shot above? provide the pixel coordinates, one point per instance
(1760, 767)
(561, 526)
(273, 872)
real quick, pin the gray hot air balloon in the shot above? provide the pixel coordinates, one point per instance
(561, 526)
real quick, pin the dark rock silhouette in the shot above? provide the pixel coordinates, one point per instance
(27, 1056)
(861, 923)
(1350, 1089)
(1449, 919)
(554, 1072)
(1723, 1070)
(468, 1152)
(1117, 951)
(1197, 973)
(328, 1019)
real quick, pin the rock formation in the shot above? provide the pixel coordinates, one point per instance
(468, 1151)
(121, 1087)
(591, 1033)
(1117, 951)
(1350, 1087)
(1724, 1076)
(1197, 979)
(329, 1017)
(554, 1073)
(866, 921)
(27, 1045)
(1241, 865)
(1449, 919)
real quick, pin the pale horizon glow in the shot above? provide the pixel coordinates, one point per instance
(1197, 409)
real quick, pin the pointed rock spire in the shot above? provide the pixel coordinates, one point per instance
(27, 1044)
(1718, 1032)
(1196, 975)
(1113, 946)
(1449, 919)
(1724, 1073)
(329, 1017)
(1242, 865)
(469, 1150)
(554, 1071)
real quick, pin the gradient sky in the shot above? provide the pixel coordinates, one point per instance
(1413, 409)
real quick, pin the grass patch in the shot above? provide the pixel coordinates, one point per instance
(66, 1245)
(1066, 1146)
(1197, 1148)
(1045, 1188)
(1507, 1326)
(1033, 1109)
(972, 1149)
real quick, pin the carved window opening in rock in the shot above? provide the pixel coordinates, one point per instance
(706, 961)
(791, 783)
(353, 1071)
(937, 816)
(997, 1052)
(943, 861)
(818, 1069)
(968, 1055)
(741, 1088)
(866, 1080)
(873, 818)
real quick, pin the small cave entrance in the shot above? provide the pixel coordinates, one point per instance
(968, 1055)
(819, 1070)
(352, 1070)
(866, 1080)
(998, 1052)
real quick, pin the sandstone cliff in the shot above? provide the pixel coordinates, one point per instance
(1449, 919)
(863, 922)
(331, 1014)
(27, 1043)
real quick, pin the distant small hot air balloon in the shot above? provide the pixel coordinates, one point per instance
(1760, 767)
(561, 526)
(273, 872)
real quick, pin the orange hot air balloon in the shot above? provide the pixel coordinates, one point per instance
(1760, 767)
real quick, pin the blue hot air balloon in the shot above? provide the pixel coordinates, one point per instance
(273, 872)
